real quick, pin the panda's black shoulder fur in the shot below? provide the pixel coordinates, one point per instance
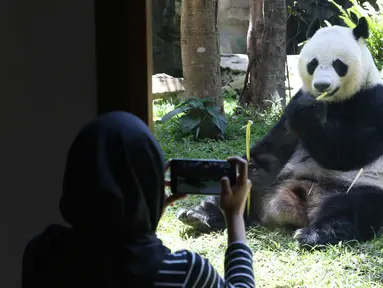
(341, 136)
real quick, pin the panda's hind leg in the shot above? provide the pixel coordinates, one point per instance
(353, 216)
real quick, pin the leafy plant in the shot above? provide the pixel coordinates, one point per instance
(201, 117)
(302, 12)
(230, 93)
(375, 22)
(308, 10)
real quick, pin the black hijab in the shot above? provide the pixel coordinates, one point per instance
(113, 195)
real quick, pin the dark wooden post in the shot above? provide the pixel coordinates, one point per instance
(124, 57)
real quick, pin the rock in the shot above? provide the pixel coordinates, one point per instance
(233, 67)
(233, 22)
(239, 62)
(294, 81)
(235, 62)
(165, 86)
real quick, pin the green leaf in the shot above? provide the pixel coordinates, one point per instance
(221, 123)
(207, 100)
(175, 112)
(188, 123)
(197, 104)
(197, 133)
(302, 43)
(220, 136)
(213, 111)
(182, 103)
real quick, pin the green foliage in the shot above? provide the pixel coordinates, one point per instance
(230, 93)
(308, 10)
(375, 21)
(200, 117)
(302, 12)
(176, 144)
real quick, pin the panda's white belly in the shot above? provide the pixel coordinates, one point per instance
(302, 166)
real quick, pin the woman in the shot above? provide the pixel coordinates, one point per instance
(113, 198)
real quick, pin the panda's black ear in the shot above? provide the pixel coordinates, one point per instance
(313, 27)
(361, 29)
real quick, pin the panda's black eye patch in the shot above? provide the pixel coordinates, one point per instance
(312, 66)
(340, 67)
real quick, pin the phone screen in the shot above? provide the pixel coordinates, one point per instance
(200, 176)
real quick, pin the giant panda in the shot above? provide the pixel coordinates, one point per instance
(302, 171)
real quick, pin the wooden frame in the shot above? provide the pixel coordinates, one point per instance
(124, 57)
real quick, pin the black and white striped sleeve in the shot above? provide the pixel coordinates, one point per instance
(239, 265)
(189, 269)
(173, 270)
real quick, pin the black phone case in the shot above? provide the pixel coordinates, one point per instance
(175, 169)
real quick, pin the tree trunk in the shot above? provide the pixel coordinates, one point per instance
(200, 50)
(266, 42)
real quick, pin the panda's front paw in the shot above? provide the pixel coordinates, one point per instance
(303, 104)
(327, 234)
(308, 237)
(302, 114)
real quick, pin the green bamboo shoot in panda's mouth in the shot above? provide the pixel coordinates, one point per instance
(324, 94)
(327, 94)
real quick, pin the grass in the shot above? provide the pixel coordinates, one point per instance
(278, 261)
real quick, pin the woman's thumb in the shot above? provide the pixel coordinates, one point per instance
(225, 187)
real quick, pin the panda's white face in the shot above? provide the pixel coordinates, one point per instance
(333, 61)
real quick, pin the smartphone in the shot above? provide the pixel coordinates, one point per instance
(200, 176)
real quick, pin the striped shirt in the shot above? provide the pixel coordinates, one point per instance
(188, 269)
